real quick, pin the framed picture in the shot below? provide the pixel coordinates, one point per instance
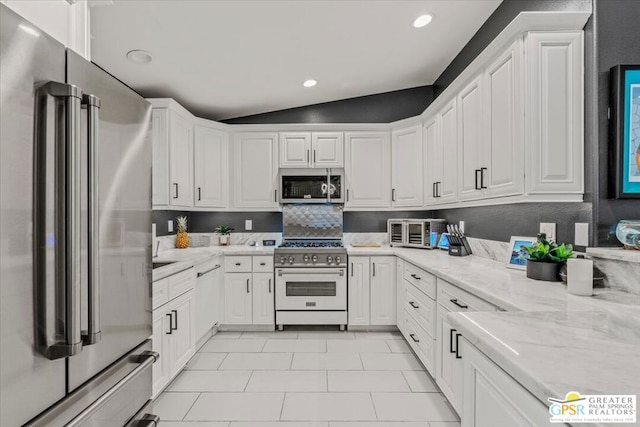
(517, 257)
(624, 132)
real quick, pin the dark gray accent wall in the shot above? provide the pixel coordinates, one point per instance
(206, 222)
(498, 20)
(376, 222)
(617, 41)
(379, 108)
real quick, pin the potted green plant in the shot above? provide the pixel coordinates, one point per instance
(546, 258)
(223, 233)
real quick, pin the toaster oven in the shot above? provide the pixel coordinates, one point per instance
(415, 233)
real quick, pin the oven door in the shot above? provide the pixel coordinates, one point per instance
(311, 288)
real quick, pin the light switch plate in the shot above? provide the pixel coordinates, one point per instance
(582, 234)
(248, 224)
(170, 226)
(548, 228)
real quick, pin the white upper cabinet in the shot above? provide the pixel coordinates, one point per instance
(327, 149)
(180, 160)
(311, 150)
(367, 169)
(446, 185)
(503, 163)
(555, 112)
(160, 170)
(406, 167)
(295, 149)
(210, 167)
(431, 159)
(471, 145)
(255, 170)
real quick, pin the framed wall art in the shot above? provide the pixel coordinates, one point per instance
(517, 257)
(624, 132)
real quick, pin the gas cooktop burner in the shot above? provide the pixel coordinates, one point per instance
(311, 244)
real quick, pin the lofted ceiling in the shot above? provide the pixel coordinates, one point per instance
(224, 59)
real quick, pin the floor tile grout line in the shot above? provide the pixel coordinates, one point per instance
(191, 407)
(284, 397)
(373, 404)
(244, 390)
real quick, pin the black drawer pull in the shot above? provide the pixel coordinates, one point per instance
(413, 304)
(237, 263)
(458, 346)
(413, 337)
(455, 301)
(176, 313)
(451, 350)
(263, 263)
(170, 324)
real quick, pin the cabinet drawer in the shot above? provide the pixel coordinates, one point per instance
(160, 293)
(420, 341)
(456, 299)
(423, 307)
(180, 283)
(263, 264)
(237, 264)
(426, 282)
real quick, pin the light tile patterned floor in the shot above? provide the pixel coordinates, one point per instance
(304, 379)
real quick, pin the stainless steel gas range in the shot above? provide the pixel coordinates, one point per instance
(311, 268)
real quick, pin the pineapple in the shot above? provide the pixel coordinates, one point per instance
(182, 238)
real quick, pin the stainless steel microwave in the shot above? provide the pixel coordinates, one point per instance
(415, 233)
(311, 186)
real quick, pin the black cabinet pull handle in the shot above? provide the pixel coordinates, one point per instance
(269, 285)
(393, 194)
(307, 156)
(351, 269)
(199, 193)
(478, 185)
(263, 263)
(237, 263)
(347, 194)
(170, 324)
(455, 301)
(176, 313)
(413, 304)
(413, 337)
(451, 331)
(314, 156)
(457, 347)
(482, 171)
(413, 275)
(275, 196)
(247, 285)
(374, 269)
(176, 184)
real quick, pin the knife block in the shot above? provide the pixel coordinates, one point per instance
(458, 250)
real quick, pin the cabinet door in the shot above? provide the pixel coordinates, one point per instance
(210, 167)
(383, 290)
(327, 149)
(406, 167)
(470, 140)
(448, 367)
(181, 160)
(448, 146)
(263, 302)
(161, 344)
(255, 170)
(295, 150)
(504, 112)
(400, 294)
(184, 332)
(217, 306)
(237, 298)
(160, 169)
(358, 291)
(555, 113)
(432, 160)
(368, 170)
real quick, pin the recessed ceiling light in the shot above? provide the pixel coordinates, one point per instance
(139, 56)
(422, 21)
(309, 83)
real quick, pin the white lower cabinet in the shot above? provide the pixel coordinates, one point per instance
(174, 337)
(209, 296)
(491, 398)
(249, 290)
(372, 291)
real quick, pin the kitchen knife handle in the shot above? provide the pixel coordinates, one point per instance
(93, 334)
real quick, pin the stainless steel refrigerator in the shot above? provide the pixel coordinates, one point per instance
(75, 221)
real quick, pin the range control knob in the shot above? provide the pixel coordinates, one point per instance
(282, 260)
(314, 258)
(329, 259)
(338, 259)
(290, 260)
(305, 258)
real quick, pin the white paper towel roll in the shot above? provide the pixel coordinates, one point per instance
(580, 276)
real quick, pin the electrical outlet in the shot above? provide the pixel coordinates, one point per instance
(461, 226)
(170, 226)
(582, 234)
(248, 224)
(548, 228)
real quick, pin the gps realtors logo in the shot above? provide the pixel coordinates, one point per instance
(605, 408)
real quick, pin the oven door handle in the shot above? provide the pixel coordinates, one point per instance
(319, 272)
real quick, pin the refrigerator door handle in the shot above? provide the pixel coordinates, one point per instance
(93, 334)
(57, 223)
